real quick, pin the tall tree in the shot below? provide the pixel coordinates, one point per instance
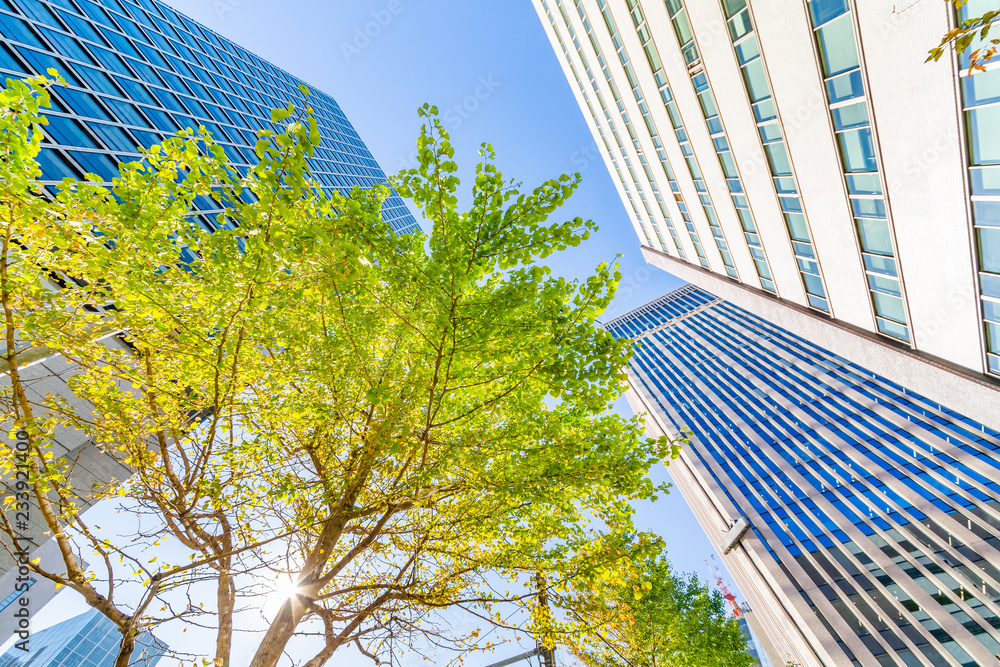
(640, 613)
(411, 419)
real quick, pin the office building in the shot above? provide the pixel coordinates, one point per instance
(858, 517)
(38, 591)
(87, 640)
(138, 71)
(799, 159)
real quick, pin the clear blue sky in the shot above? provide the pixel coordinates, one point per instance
(441, 52)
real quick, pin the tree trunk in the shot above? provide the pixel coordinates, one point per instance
(226, 604)
(127, 647)
(281, 630)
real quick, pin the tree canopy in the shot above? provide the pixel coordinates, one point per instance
(646, 615)
(402, 424)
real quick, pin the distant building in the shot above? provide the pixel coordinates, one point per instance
(87, 640)
(860, 519)
(800, 160)
(39, 589)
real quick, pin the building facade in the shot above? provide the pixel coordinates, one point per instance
(798, 158)
(139, 71)
(859, 518)
(87, 640)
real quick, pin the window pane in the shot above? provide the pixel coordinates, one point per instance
(708, 104)
(824, 10)
(764, 111)
(991, 310)
(756, 81)
(875, 236)
(884, 284)
(993, 337)
(733, 6)
(984, 140)
(878, 264)
(837, 49)
(893, 329)
(797, 226)
(864, 184)
(858, 151)
(868, 208)
(770, 132)
(854, 115)
(683, 28)
(778, 157)
(785, 185)
(889, 307)
(54, 168)
(985, 180)
(813, 284)
(982, 88)
(986, 213)
(747, 50)
(740, 25)
(989, 249)
(845, 87)
(67, 132)
(728, 165)
(990, 285)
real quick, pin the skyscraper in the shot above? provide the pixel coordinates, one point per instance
(87, 640)
(138, 71)
(859, 518)
(799, 159)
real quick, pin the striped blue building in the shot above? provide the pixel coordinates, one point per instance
(859, 518)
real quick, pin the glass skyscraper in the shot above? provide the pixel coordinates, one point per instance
(87, 640)
(859, 518)
(138, 71)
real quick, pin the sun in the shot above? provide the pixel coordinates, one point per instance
(285, 587)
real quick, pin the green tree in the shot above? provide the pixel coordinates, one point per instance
(396, 422)
(972, 32)
(644, 615)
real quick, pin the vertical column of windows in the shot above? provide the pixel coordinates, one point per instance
(710, 111)
(981, 103)
(755, 80)
(835, 40)
(655, 65)
(611, 124)
(647, 118)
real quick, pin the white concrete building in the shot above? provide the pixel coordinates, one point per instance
(799, 159)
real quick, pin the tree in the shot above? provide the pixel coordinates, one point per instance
(397, 422)
(973, 31)
(642, 614)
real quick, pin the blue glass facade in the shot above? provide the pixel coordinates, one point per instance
(138, 71)
(87, 640)
(877, 506)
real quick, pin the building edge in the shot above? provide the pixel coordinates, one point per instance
(973, 394)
